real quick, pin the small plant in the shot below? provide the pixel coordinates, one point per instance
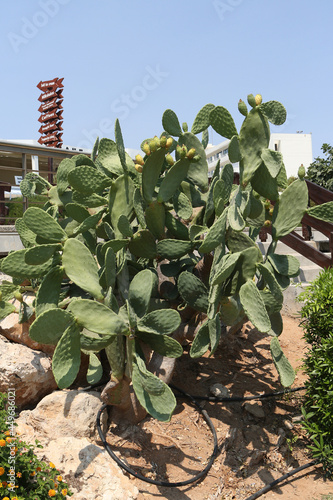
(22, 475)
(318, 365)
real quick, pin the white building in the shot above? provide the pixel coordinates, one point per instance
(296, 150)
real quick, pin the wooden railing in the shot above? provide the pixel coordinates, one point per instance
(300, 243)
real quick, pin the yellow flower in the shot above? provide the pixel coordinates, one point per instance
(2, 471)
(5, 498)
(64, 492)
(55, 484)
(52, 493)
(9, 440)
(19, 474)
(2, 442)
(52, 465)
(10, 485)
(7, 433)
(59, 478)
(32, 473)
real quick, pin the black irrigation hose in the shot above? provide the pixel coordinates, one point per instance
(280, 479)
(154, 481)
(215, 450)
(237, 399)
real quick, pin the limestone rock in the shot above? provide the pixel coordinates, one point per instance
(68, 413)
(219, 390)
(62, 422)
(12, 330)
(88, 467)
(28, 371)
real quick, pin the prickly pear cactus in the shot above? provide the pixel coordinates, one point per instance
(123, 252)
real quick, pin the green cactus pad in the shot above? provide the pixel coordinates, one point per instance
(226, 182)
(67, 357)
(277, 324)
(143, 245)
(254, 306)
(81, 267)
(120, 145)
(124, 226)
(231, 310)
(284, 368)
(8, 290)
(222, 122)
(182, 206)
(96, 317)
(163, 322)
(323, 212)
(209, 208)
(201, 341)
(91, 341)
(6, 308)
(49, 326)
(274, 111)
(139, 208)
(253, 138)
(242, 108)
(176, 227)
(155, 219)
(171, 123)
(42, 224)
(264, 184)
(215, 235)
(87, 180)
(172, 180)
(151, 172)
(214, 329)
(77, 212)
(198, 170)
(153, 394)
(173, 249)
(90, 201)
(271, 282)
(202, 120)
(235, 218)
(289, 210)
(27, 237)
(121, 200)
(95, 149)
(193, 291)
(233, 150)
(225, 267)
(287, 265)
(115, 352)
(110, 268)
(205, 139)
(15, 265)
(108, 160)
(162, 344)
(140, 291)
(116, 245)
(41, 253)
(237, 242)
(64, 168)
(49, 291)
(89, 223)
(95, 369)
(273, 161)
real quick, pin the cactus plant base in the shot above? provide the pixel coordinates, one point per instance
(176, 450)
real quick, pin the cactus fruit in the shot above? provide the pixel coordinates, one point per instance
(170, 161)
(258, 99)
(139, 160)
(146, 148)
(301, 172)
(190, 154)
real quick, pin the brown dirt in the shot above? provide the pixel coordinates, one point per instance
(253, 450)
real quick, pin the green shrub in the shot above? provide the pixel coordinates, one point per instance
(34, 479)
(318, 362)
(16, 209)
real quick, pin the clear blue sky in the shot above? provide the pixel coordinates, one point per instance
(133, 59)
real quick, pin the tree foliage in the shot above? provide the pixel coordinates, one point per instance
(320, 171)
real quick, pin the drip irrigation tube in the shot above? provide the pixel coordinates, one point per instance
(203, 412)
(154, 481)
(280, 479)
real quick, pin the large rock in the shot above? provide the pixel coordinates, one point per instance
(69, 413)
(25, 370)
(63, 422)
